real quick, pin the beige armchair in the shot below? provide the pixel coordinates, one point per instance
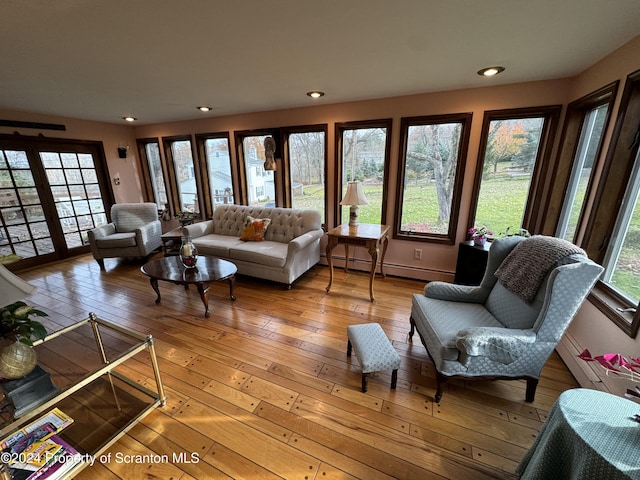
(508, 325)
(134, 231)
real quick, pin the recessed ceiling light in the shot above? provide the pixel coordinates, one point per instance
(490, 71)
(315, 94)
(204, 108)
(129, 119)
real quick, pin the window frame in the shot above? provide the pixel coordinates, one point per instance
(147, 184)
(450, 238)
(608, 198)
(175, 192)
(203, 167)
(533, 216)
(339, 129)
(278, 175)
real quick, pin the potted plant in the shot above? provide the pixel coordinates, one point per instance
(17, 358)
(186, 217)
(479, 235)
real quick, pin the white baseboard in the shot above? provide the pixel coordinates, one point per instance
(569, 348)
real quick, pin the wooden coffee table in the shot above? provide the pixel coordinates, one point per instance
(208, 269)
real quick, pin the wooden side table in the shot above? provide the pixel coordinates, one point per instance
(370, 236)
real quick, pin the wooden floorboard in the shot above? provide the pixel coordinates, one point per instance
(263, 389)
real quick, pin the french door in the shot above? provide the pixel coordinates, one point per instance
(51, 193)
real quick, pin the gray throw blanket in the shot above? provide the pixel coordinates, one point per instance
(525, 267)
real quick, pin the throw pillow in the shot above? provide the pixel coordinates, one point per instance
(254, 229)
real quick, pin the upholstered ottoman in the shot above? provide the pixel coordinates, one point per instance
(373, 350)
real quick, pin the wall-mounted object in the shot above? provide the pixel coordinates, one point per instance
(116, 180)
(122, 151)
(269, 150)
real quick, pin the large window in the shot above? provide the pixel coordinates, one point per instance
(363, 156)
(179, 154)
(306, 149)
(218, 182)
(433, 151)
(259, 185)
(612, 233)
(514, 146)
(153, 176)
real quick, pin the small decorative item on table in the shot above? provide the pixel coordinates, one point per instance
(479, 235)
(188, 253)
(17, 358)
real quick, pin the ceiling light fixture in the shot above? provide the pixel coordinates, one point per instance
(204, 108)
(129, 119)
(490, 71)
(315, 94)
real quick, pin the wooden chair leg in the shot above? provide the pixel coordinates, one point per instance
(364, 382)
(440, 379)
(413, 329)
(349, 347)
(532, 384)
(394, 378)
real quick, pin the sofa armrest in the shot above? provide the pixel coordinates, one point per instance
(499, 344)
(199, 229)
(456, 293)
(304, 240)
(101, 231)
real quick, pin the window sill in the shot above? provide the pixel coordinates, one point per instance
(609, 302)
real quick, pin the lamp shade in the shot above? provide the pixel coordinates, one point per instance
(354, 195)
(12, 287)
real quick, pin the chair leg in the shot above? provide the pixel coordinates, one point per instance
(394, 378)
(349, 348)
(101, 263)
(440, 379)
(364, 383)
(532, 384)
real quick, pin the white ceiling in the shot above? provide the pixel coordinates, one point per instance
(158, 59)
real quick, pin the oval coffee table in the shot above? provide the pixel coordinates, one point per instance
(208, 269)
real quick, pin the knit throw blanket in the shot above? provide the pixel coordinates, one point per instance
(524, 269)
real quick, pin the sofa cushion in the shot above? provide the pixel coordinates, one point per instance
(254, 229)
(272, 254)
(216, 245)
(117, 240)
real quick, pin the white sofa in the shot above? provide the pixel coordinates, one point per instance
(291, 243)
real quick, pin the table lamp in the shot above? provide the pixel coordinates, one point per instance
(353, 198)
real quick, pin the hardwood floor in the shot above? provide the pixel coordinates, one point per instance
(263, 387)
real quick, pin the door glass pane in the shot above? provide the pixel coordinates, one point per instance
(363, 156)
(71, 189)
(20, 209)
(590, 135)
(508, 165)
(185, 175)
(307, 166)
(261, 188)
(157, 179)
(219, 169)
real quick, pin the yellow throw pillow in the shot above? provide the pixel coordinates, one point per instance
(254, 229)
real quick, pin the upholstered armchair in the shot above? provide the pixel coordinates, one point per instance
(508, 326)
(134, 231)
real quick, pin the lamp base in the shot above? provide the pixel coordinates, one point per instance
(353, 216)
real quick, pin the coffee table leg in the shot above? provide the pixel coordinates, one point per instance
(203, 290)
(154, 285)
(232, 282)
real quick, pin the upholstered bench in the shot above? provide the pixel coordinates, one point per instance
(373, 350)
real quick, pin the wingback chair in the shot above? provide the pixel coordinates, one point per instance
(134, 231)
(504, 328)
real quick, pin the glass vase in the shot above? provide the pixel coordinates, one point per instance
(188, 253)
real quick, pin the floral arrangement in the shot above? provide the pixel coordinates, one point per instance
(480, 232)
(186, 216)
(16, 324)
(617, 364)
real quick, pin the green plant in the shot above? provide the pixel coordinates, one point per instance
(16, 324)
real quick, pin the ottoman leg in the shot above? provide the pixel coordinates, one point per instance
(364, 382)
(394, 378)
(348, 348)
